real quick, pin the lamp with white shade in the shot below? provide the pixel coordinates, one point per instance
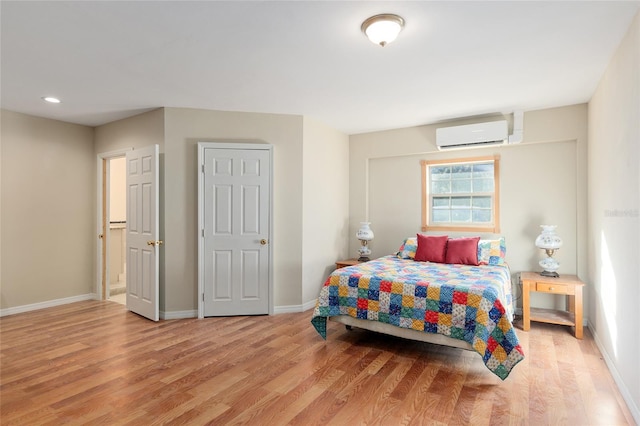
(549, 241)
(364, 234)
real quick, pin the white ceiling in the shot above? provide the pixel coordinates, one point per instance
(110, 60)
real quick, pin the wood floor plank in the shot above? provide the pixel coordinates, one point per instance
(419, 404)
(95, 363)
(368, 397)
(294, 401)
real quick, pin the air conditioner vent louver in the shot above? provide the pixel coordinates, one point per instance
(472, 135)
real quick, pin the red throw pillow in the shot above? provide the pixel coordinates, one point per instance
(431, 248)
(463, 251)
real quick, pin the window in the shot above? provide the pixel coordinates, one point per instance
(461, 195)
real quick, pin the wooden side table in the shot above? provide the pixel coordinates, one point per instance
(568, 285)
(348, 262)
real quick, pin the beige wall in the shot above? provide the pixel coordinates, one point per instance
(180, 129)
(177, 131)
(130, 133)
(184, 129)
(117, 253)
(614, 218)
(325, 198)
(134, 132)
(118, 190)
(542, 181)
(48, 200)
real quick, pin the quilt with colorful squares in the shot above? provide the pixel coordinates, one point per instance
(470, 303)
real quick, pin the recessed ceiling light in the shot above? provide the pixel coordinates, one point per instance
(51, 99)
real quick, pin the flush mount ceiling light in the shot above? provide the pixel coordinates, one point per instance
(51, 99)
(383, 29)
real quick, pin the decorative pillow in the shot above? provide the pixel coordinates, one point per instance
(408, 249)
(492, 252)
(463, 251)
(431, 248)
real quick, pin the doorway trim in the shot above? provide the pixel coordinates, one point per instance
(240, 146)
(102, 212)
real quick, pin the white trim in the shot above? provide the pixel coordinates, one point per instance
(290, 309)
(624, 391)
(47, 304)
(171, 315)
(309, 305)
(201, 146)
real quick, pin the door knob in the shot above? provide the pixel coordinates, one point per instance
(263, 242)
(155, 243)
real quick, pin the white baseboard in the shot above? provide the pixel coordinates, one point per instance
(47, 304)
(169, 315)
(624, 391)
(178, 314)
(288, 309)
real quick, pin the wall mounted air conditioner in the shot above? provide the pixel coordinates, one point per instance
(472, 135)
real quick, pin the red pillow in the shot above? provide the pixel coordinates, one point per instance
(462, 250)
(431, 248)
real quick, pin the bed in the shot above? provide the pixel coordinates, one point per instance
(460, 305)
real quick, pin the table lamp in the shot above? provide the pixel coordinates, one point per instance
(364, 234)
(549, 241)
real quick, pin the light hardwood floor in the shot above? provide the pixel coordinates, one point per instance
(95, 363)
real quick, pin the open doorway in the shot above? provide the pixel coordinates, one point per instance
(117, 229)
(128, 229)
(112, 226)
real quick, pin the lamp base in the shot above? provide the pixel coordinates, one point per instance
(363, 259)
(550, 274)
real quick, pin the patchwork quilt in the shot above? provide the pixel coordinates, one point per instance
(470, 303)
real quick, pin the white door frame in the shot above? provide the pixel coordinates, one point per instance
(99, 225)
(223, 145)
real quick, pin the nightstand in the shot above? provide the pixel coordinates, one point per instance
(567, 285)
(348, 262)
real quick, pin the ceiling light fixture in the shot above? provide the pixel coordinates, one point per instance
(383, 29)
(51, 99)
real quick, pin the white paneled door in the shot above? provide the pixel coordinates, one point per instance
(236, 208)
(142, 232)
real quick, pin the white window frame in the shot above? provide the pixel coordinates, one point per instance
(427, 196)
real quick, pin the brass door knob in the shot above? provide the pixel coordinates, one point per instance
(155, 243)
(263, 242)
